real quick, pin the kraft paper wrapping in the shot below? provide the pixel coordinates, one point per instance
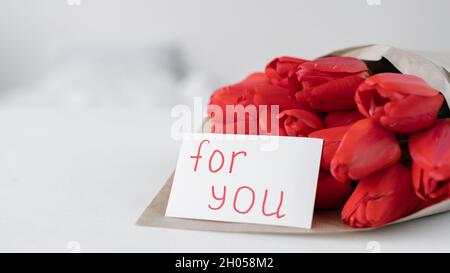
(432, 67)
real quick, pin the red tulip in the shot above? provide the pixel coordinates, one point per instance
(332, 138)
(255, 90)
(282, 72)
(381, 198)
(364, 149)
(331, 194)
(329, 84)
(430, 151)
(256, 77)
(399, 102)
(297, 122)
(247, 126)
(341, 118)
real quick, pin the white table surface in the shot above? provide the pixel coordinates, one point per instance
(78, 181)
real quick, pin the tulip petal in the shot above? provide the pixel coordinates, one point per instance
(399, 102)
(330, 193)
(428, 188)
(332, 138)
(245, 99)
(341, 118)
(364, 149)
(430, 151)
(302, 99)
(282, 72)
(336, 65)
(297, 122)
(381, 198)
(257, 77)
(310, 78)
(390, 84)
(411, 114)
(335, 95)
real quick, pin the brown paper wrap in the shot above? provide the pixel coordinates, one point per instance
(432, 67)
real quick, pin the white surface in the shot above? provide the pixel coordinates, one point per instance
(70, 179)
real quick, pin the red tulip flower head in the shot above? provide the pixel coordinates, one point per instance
(298, 122)
(430, 151)
(399, 102)
(365, 148)
(282, 72)
(381, 198)
(329, 84)
(254, 91)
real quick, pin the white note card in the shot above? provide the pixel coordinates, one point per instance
(268, 180)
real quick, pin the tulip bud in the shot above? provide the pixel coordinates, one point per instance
(381, 198)
(297, 122)
(282, 72)
(430, 151)
(364, 149)
(399, 102)
(255, 91)
(329, 84)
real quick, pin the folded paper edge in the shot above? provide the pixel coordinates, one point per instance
(421, 64)
(324, 222)
(154, 216)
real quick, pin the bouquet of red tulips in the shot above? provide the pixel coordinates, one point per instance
(386, 151)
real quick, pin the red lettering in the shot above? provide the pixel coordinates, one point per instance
(222, 199)
(277, 213)
(236, 197)
(213, 156)
(221, 163)
(233, 156)
(198, 156)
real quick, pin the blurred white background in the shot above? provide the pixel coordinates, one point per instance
(226, 39)
(83, 177)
